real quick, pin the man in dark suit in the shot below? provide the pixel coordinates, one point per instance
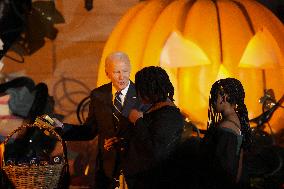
(108, 111)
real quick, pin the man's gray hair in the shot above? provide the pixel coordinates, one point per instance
(118, 55)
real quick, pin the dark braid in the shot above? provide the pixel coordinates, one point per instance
(213, 116)
(153, 83)
(236, 95)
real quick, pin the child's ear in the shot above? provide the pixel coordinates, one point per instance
(226, 98)
(223, 99)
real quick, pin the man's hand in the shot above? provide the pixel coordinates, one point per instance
(134, 115)
(57, 123)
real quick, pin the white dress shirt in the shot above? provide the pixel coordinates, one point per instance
(122, 95)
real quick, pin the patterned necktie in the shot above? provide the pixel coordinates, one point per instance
(117, 105)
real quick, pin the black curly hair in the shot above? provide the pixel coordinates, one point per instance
(236, 95)
(153, 83)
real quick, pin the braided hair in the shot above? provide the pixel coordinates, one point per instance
(236, 95)
(153, 83)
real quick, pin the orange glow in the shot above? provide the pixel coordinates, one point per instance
(198, 42)
(179, 52)
(223, 73)
(2, 146)
(262, 52)
(86, 172)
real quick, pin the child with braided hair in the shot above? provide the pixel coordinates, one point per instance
(228, 136)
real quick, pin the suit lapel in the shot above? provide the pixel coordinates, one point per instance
(107, 104)
(107, 98)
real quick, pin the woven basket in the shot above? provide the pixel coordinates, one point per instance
(33, 176)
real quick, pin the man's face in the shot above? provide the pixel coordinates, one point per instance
(118, 72)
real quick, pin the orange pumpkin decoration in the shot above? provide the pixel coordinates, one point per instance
(199, 41)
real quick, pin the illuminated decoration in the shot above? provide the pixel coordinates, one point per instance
(2, 146)
(220, 32)
(180, 52)
(262, 52)
(223, 73)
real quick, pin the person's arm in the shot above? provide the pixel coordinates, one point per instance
(86, 131)
(228, 154)
(240, 168)
(139, 149)
(154, 139)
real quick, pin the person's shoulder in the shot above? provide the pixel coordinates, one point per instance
(168, 112)
(171, 108)
(132, 83)
(102, 88)
(229, 126)
(131, 89)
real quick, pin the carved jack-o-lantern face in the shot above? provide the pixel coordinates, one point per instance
(198, 42)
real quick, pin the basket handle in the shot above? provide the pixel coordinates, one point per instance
(42, 124)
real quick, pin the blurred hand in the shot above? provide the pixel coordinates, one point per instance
(134, 115)
(57, 123)
(110, 143)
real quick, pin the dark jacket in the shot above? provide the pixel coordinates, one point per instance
(100, 122)
(154, 139)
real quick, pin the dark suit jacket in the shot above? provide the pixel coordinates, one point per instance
(100, 122)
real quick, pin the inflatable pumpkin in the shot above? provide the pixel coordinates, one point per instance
(200, 41)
